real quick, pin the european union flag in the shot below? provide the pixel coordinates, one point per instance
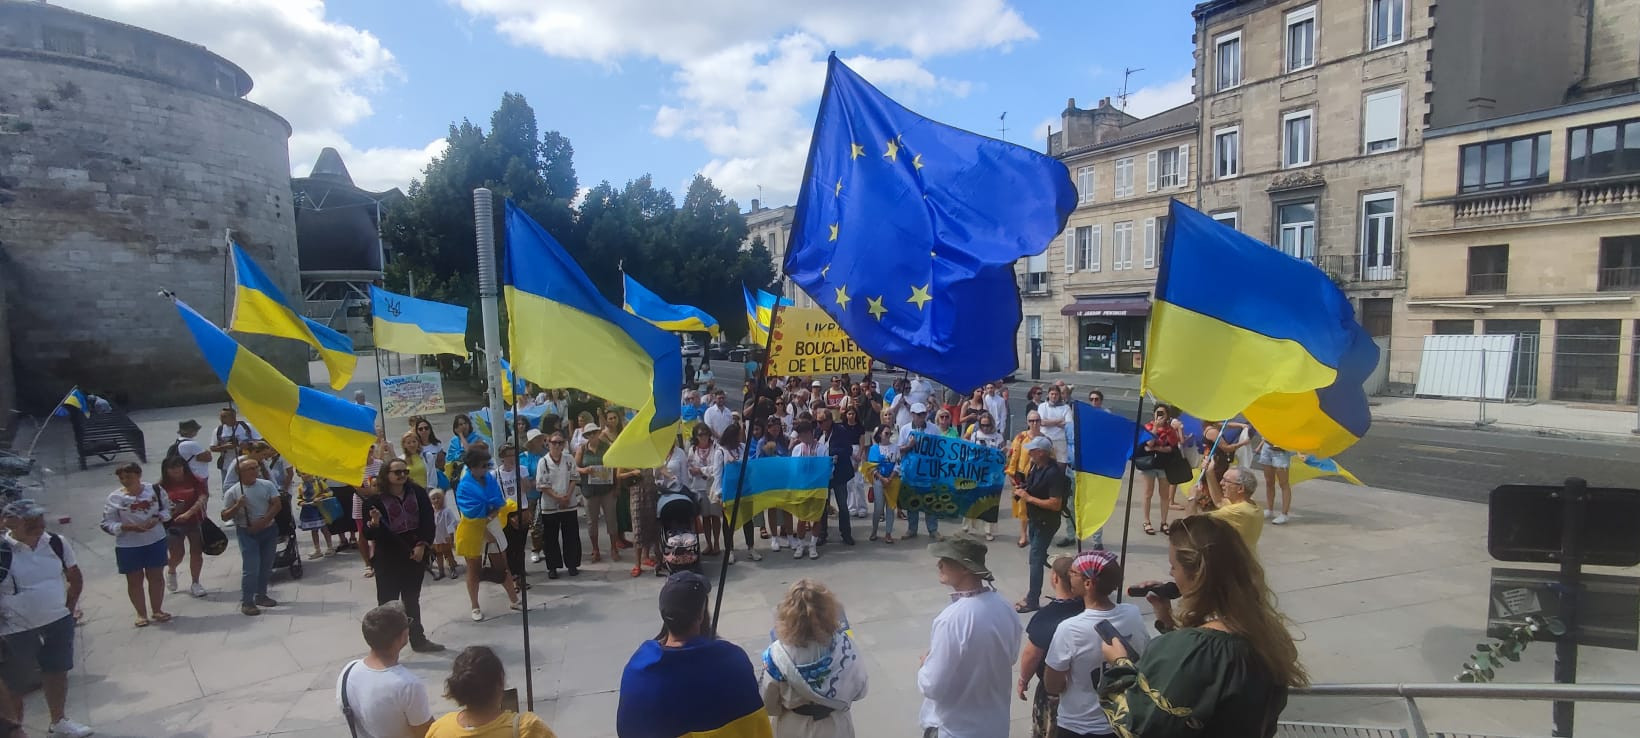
(907, 230)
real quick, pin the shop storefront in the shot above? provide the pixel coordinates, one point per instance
(1110, 332)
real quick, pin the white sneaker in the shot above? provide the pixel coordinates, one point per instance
(1280, 519)
(774, 543)
(69, 728)
(535, 558)
(1269, 514)
(197, 590)
(730, 555)
(797, 552)
(814, 551)
(478, 615)
(171, 580)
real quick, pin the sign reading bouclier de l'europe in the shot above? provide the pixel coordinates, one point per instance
(806, 341)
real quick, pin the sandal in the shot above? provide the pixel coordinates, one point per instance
(1164, 528)
(763, 533)
(1151, 530)
(1023, 542)
(161, 616)
(142, 622)
(637, 571)
(369, 572)
(596, 557)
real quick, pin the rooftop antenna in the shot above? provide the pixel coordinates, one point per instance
(1126, 74)
(760, 194)
(1003, 131)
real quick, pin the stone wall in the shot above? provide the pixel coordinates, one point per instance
(8, 395)
(114, 184)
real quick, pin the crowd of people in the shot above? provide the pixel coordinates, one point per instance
(428, 508)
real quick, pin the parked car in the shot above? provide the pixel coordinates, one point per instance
(691, 348)
(718, 350)
(739, 354)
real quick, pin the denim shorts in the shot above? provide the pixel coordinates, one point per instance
(50, 646)
(129, 559)
(1274, 459)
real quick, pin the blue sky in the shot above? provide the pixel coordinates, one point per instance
(727, 87)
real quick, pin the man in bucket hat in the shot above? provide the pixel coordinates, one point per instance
(966, 675)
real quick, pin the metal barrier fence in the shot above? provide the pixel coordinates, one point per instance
(1411, 693)
(1599, 368)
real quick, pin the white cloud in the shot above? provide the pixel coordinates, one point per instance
(746, 72)
(1152, 99)
(315, 72)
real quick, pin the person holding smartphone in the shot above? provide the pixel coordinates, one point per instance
(1075, 661)
(1224, 662)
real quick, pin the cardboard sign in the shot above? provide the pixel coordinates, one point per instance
(412, 394)
(807, 342)
(950, 477)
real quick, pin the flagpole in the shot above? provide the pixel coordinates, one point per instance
(42, 429)
(489, 295)
(745, 468)
(1133, 472)
(227, 288)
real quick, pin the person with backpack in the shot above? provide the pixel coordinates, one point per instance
(230, 433)
(378, 697)
(135, 515)
(39, 596)
(198, 456)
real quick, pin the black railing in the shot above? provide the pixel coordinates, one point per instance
(1036, 283)
(1619, 278)
(1488, 283)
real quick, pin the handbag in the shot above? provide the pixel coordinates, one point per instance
(1145, 461)
(212, 536)
(1177, 468)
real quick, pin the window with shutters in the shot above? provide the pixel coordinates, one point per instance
(1095, 245)
(1170, 168)
(1070, 251)
(1036, 274)
(1227, 152)
(1301, 39)
(1085, 183)
(1122, 246)
(1297, 139)
(1084, 248)
(1227, 61)
(1150, 243)
(1381, 126)
(1124, 177)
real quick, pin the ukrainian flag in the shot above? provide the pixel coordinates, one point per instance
(760, 314)
(796, 484)
(1314, 467)
(316, 432)
(260, 307)
(511, 387)
(639, 301)
(413, 326)
(661, 698)
(1282, 338)
(75, 399)
(565, 334)
(1104, 444)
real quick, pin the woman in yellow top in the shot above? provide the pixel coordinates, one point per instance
(1019, 465)
(478, 683)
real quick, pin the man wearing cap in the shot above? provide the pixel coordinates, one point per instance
(1044, 495)
(686, 681)
(199, 457)
(965, 676)
(38, 597)
(1075, 659)
(718, 416)
(918, 424)
(1065, 602)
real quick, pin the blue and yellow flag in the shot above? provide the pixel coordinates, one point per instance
(907, 230)
(663, 696)
(511, 388)
(799, 485)
(414, 326)
(639, 301)
(1104, 445)
(74, 399)
(1294, 358)
(760, 314)
(260, 307)
(1314, 467)
(565, 334)
(315, 431)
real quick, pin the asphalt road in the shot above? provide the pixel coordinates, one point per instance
(1453, 463)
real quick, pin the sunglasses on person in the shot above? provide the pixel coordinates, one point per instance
(556, 442)
(399, 472)
(1033, 420)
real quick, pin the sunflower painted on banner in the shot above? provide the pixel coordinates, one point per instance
(799, 485)
(1300, 356)
(949, 477)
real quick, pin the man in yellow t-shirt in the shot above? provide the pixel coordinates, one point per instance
(1234, 506)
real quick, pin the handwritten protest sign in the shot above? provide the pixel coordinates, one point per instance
(807, 341)
(950, 477)
(412, 394)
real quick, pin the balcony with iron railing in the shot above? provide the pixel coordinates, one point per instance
(1619, 279)
(1362, 268)
(1035, 284)
(1488, 283)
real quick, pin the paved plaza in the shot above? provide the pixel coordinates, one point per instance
(1383, 586)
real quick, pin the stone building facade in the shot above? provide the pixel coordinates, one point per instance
(1088, 296)
(1311, 132)
(774, 226)
(125, 157)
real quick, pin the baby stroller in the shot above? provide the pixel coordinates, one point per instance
(677, 508)
(287, 553)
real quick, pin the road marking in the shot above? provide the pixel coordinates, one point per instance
(1450, 450)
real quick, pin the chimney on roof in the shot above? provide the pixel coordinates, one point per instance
(755, 206)
(1104, 102)
(1071, 103)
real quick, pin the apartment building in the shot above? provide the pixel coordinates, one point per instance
(1087, 298)
(774, 226)
(1311, 129)
(1527, 224)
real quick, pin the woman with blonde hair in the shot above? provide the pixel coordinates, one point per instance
(1223, 663)
(813, 671)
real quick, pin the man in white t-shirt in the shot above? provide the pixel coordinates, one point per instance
(199, 457)
(1056, 419)
(39, 596)
(378, 697)
(1074, 661)
(718, 416)
(225, 440)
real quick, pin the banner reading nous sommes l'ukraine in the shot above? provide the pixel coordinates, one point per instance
(950, 477)
(807, 341)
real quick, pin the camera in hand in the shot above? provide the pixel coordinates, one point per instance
(1165, 590)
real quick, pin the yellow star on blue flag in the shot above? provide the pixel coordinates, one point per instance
(925, 222)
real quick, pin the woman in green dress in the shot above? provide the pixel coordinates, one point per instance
(1224, 661)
